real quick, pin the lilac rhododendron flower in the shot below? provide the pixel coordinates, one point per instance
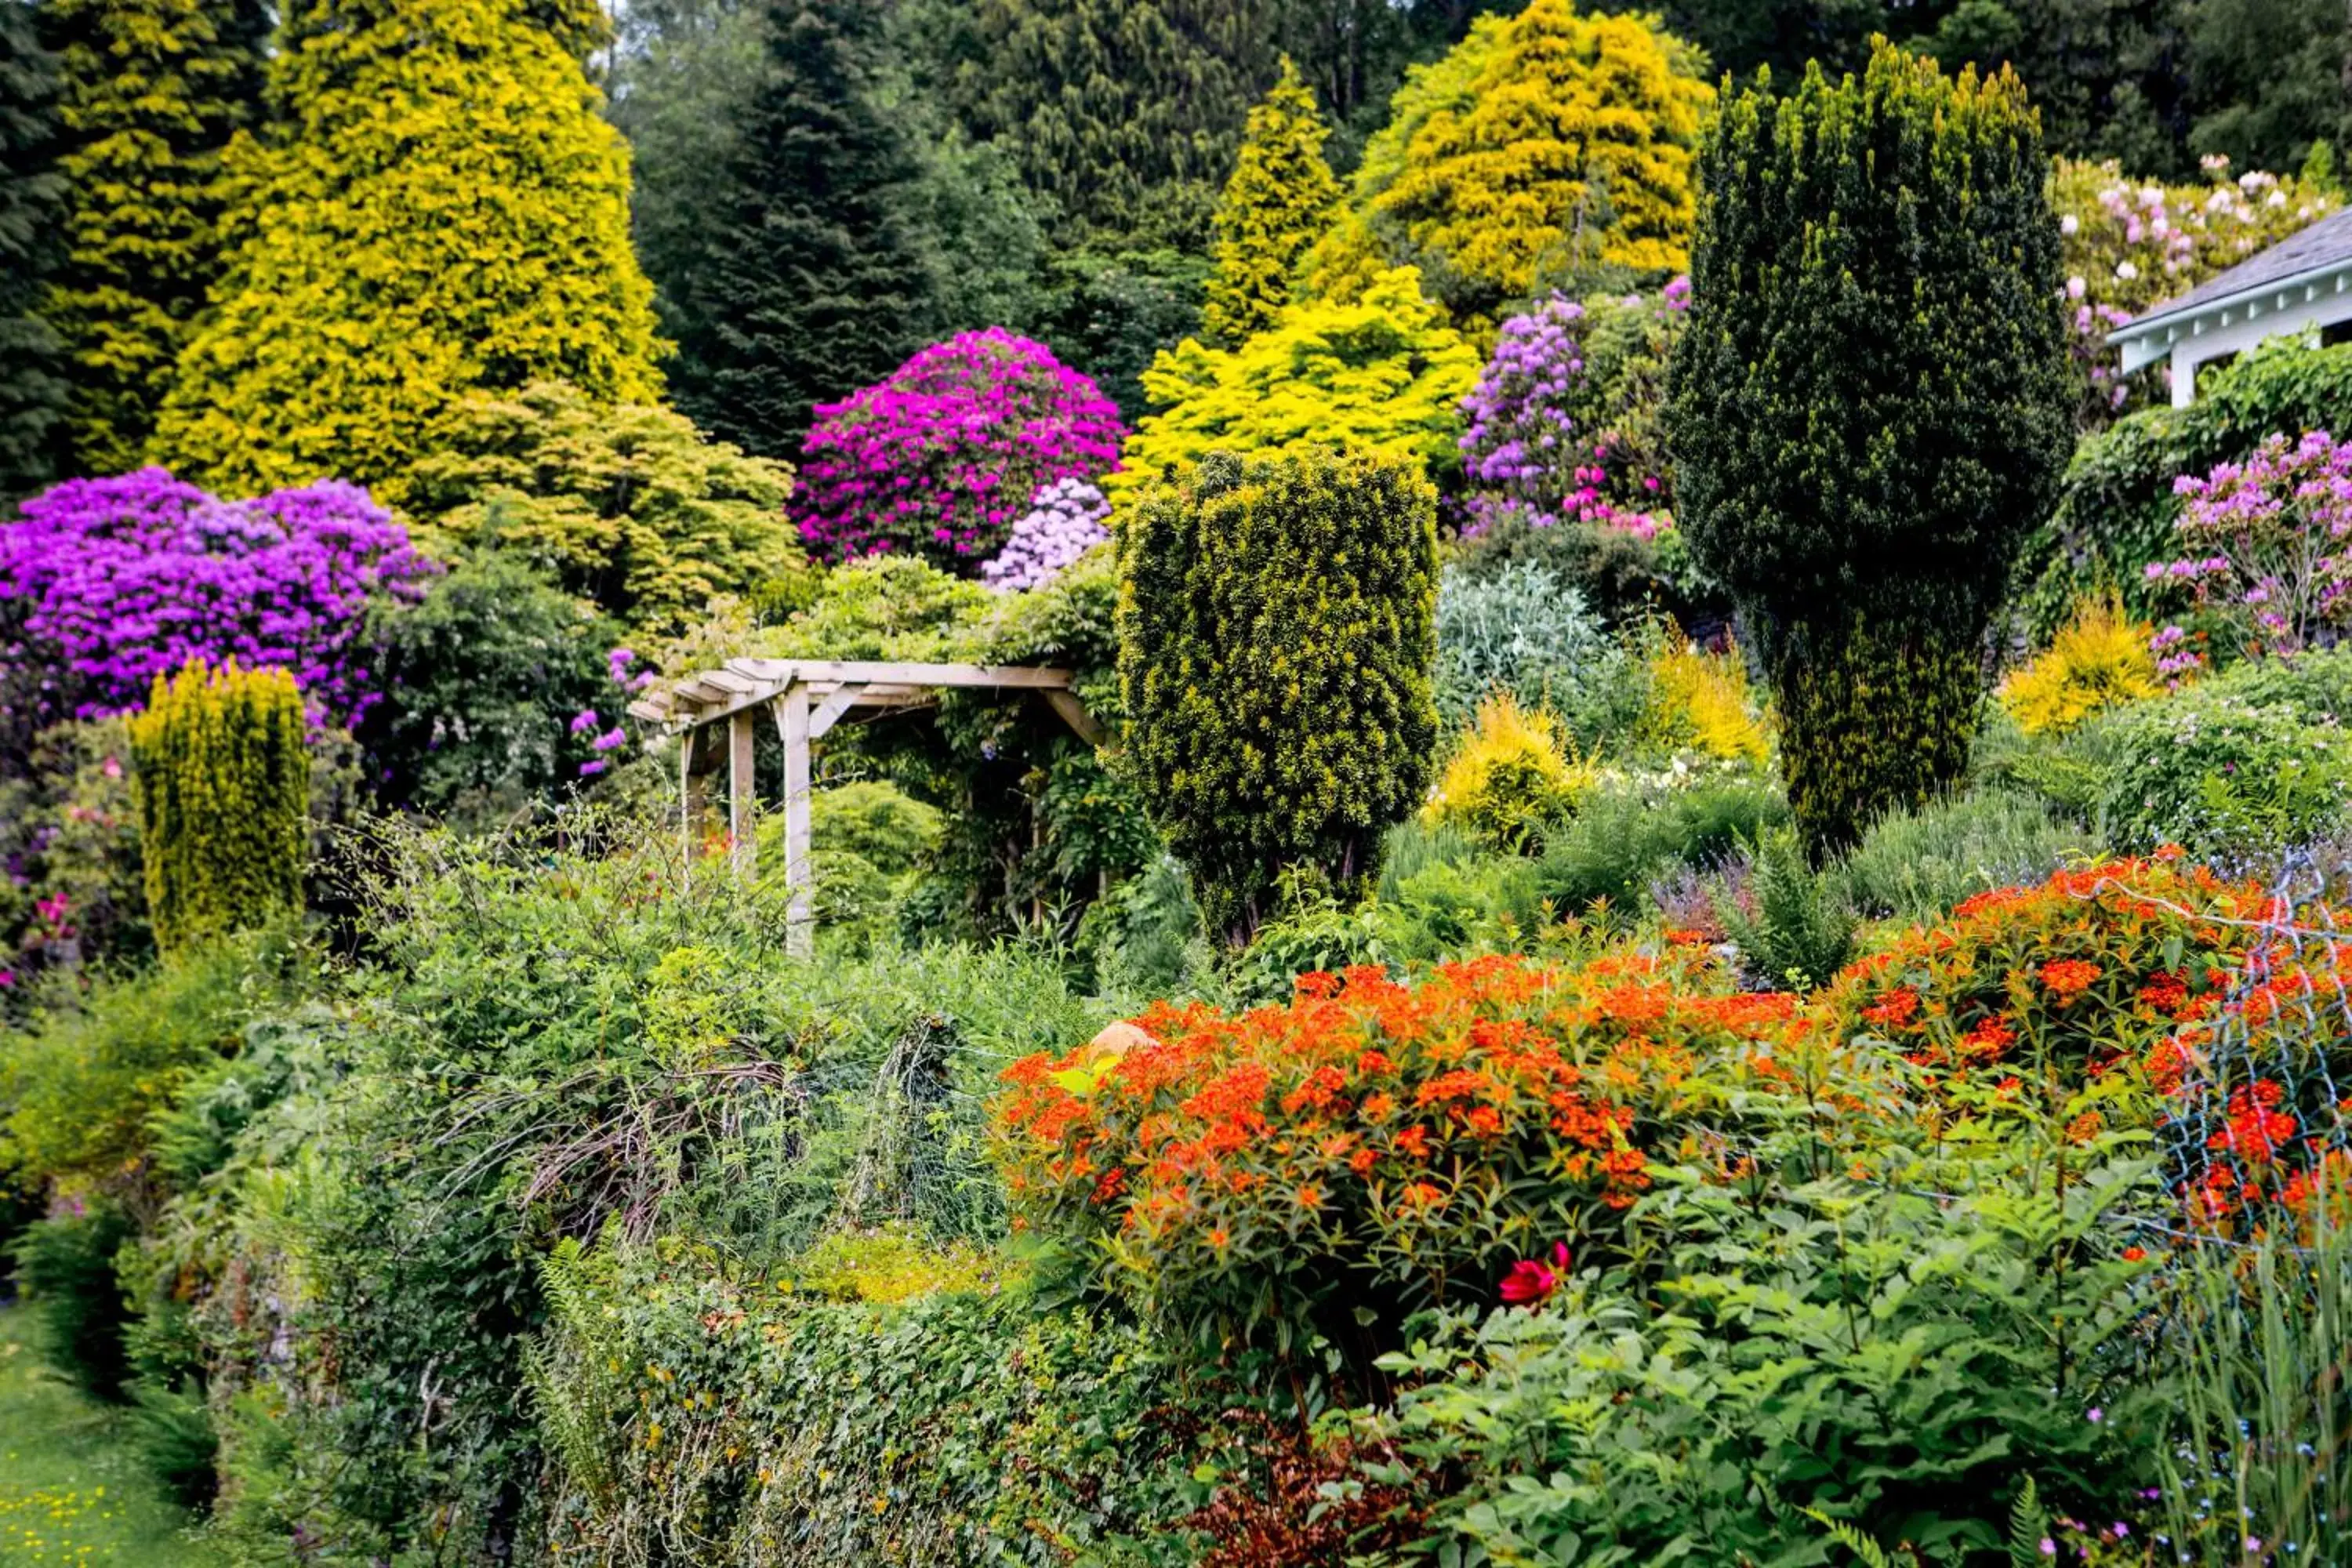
(1526, 447)
(1065, 520)
(2267, 564)
(107, 583)
(942, 457)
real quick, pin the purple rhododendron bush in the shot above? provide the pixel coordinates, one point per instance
(944, 455)
(107, 583)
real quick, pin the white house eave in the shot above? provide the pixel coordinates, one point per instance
(2152, 337)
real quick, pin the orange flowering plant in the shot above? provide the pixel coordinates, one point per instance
(1374, 1145)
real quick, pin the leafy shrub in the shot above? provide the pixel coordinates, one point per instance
(1521, 632)
(224, 794)
(629, 508)
(106, 584)
(1800, 931)
(1320, 1166)
(1502, 196)
(1950, 1352)
(1277, 629)
(1508, 780)
(2133, 244)
(1562, 426)
(1868, 556)
(1621, 577)
(2116, 510)
(482, 679)
(1631, 833)
(1064, 520)
(1920, 865)
(2215, 771)
(938, 458)
(2099, 660)
(685, 1406)
(71, 887)
(1383, 374)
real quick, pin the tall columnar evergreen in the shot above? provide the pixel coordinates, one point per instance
(1275, 206)
(151, 91)
(1125, 113)
(1277, 623)
(32, 392)
(811, 283)
(224, 792)
(1869, 408)
(435, 209)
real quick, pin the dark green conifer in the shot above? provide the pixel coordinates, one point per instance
(32, 394)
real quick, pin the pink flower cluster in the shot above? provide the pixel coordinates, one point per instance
(2265, 565)
(942, 456)
(107, 583)
(1537, 443)
(1065, 520)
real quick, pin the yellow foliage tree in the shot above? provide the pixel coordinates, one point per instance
(438, 210)
(1382, 374)
(1276, 203)
(1570, 150)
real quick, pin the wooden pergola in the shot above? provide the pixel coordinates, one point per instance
(808, 697)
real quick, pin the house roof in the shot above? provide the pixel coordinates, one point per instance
(2321, 248)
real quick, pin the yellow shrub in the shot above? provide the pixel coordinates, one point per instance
(2100, 658)
(1700, 700)
(890, 1265)
(1509, 777)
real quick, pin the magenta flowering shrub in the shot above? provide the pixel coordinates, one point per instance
(1557, 425)
(2263, 560)
(941, 457)
(107, 583)
(1065, 520)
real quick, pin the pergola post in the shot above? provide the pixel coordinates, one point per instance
(742, 831)
(799, 917)
(690, 802)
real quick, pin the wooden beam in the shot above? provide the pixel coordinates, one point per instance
(755, 682)
(799, 917)
(690, 801)
(840, 701)
(742, 830)
(1074, 713)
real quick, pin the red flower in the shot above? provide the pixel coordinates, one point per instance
(2135, 1254)
(1530, 1283)
(2069, 977)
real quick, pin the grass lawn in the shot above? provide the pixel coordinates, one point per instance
(71, 1492)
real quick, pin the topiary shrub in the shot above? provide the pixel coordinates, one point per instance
(941, 456)
(223, 794)
(1381, 373)
(1870, 402)
(1276, 624)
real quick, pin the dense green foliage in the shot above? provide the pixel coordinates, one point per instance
(32, 394)
(152, 92)
(1276, 628)
(1277, 203)
(805, 281)
(223, 791)
(435, 209)
(1868, 407)
(631, 508)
